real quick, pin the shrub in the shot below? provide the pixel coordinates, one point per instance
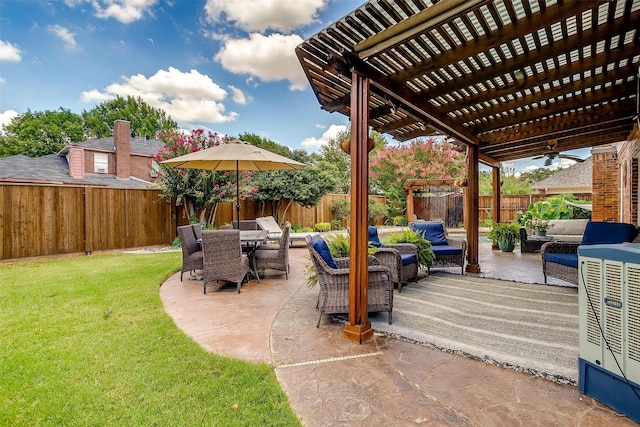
(376, 210)
(340, 208)
(336, 224)
(425, 254)
(339, 245)
(400, 221)
(322, 227)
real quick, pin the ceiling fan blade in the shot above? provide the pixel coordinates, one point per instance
(538, 158)
(570, 157)
(548, 161)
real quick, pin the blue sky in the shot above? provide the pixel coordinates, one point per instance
(224, 65)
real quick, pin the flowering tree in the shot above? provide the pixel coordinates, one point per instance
(198, 190)
(421, 159)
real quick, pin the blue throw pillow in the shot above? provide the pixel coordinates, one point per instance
(322, 248)
(431, 231)
(605, 233)
(373, 237)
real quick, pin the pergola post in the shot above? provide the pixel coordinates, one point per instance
(496, 194)
(472, 210)
(409, 205)
(358, 328)
(496, 199)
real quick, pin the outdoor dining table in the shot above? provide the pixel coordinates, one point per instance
(250, 240)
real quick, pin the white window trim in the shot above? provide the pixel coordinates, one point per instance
(100, 162)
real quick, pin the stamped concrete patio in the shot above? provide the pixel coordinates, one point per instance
(330, 381)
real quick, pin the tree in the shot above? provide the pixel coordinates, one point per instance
(305, 186)
(509, 183)
(145, 120)
(339, 162)
(390, 167)
(40, 133)
(198, 190)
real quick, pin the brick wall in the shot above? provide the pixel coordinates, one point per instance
(141, 167)
(628, 160)
(605, 185)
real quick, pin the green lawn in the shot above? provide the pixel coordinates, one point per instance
(85, 341)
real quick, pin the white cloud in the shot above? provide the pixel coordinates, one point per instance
(269, 58)
(65, 35)
(327, 136)
(187, 97)
(9, 52)
(259, 15)
(238, 95)
(5, 119)
(125, 11)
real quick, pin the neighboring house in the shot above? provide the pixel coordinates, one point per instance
(121, 161)
(575, 179)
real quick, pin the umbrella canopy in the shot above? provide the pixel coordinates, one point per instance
(235, 155)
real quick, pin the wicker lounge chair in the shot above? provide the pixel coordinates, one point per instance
(448, 252)
(401, 258)
(223, 258)
(333, 278)
(273, 256)
(191, 252)
(560, 259)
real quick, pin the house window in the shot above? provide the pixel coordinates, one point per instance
(100, 163)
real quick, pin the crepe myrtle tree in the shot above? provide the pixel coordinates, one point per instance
(199, 191)
(428, 158)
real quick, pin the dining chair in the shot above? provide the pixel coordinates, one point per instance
(266, 257)
(223, 258)
(191, 252)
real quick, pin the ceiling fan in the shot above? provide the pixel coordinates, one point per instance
(553, 154)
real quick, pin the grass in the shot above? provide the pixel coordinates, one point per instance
(85, 341)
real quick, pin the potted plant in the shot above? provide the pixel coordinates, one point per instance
(506, 235)
(538, 225)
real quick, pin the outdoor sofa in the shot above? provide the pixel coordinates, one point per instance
(448, 252)
(560, 259)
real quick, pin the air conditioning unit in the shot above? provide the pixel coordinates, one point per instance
(609, 312)
(101, 170)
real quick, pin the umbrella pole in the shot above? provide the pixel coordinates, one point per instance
(237, 195)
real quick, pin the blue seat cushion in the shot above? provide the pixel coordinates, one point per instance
(408, 259)
(446, 250)
(605, 233)
(431, 231)
(570, 260)
(373, 237)
(322, 248)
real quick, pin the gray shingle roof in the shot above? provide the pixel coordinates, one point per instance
(578, 175)
(138, 145)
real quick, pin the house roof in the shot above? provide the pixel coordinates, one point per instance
(506, 76)
(578, 175)
(139, 145)
(54, 169)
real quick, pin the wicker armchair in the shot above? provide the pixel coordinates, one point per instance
(560, 259)
(266, 256)
(223, 258)
(448, 252)
(334, 283)
(191, 252)
(401, 258)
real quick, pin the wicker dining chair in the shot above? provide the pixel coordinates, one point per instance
(333, 278)
(266, 256)
(191, 252)
(223, 258)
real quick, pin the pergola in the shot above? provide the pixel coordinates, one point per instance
(500, 78)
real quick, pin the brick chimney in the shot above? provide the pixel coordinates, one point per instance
(75, 158)
(122, 144)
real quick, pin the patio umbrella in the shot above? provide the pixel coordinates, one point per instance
(235, 155)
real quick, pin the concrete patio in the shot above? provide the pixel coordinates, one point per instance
(330, 381)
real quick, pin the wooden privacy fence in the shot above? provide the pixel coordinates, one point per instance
(50, 220)
(510, 205)
(38, 220)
